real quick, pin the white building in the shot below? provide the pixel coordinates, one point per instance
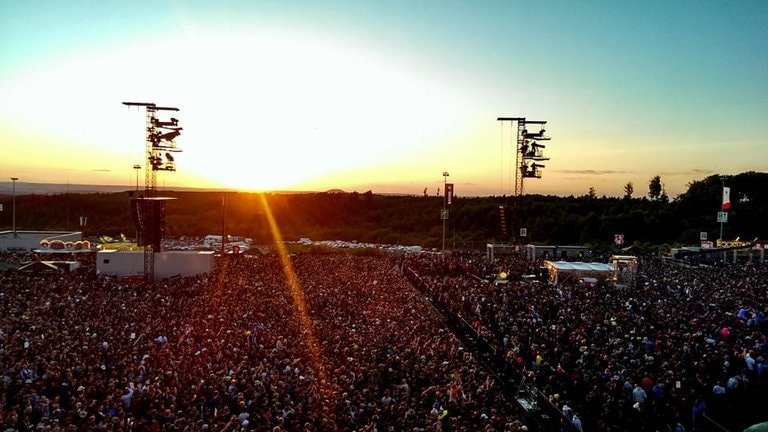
(167, 264)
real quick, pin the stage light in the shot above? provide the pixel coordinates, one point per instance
(170, 136)
(535, 135)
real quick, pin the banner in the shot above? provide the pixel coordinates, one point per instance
(448, 193)
(726, 198)
(732, 243)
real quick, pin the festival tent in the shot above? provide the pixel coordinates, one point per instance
(38, 267)
(566, 271)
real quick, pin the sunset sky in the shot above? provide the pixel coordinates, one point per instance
(386, 96)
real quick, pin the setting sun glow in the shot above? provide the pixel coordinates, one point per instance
(381, 97)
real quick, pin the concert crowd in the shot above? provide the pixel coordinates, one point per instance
(305, 343)
(343, 342)
(682, 349)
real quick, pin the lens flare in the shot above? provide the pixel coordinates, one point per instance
(297, 294)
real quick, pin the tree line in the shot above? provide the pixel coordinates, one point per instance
(646, 222)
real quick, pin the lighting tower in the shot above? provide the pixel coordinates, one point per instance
(137, 167)
(528, 152)
(149, 209)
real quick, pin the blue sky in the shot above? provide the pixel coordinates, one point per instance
(387, 95)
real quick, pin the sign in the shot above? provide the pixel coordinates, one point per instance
(618, 239)
(444, 214)
(733, 243)
(722, 217)
(523, 232)
(449, 193)
(703, 235)
(707, 244)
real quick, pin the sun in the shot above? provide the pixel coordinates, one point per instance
(272, 110)
(261, 109)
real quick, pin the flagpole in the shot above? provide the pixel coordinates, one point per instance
(725, 205)
(444, 214)
(722, 205)
(721, 229)
(721, 210)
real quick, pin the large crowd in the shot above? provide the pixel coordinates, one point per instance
(683, 349)
(263, 343)
(340, 342)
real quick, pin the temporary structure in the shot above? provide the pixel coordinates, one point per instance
(566, 271)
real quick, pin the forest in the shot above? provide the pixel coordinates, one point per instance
(647, 222)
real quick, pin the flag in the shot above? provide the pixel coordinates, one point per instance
(448, 193)
(726, 198)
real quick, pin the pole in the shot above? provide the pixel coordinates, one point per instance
(722, 210)
(13, 179)
(137, 167)
(722, 191)
(721, 229)
(223, 224)
(444, 216)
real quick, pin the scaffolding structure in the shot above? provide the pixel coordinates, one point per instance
(147, 208)
(529, 152)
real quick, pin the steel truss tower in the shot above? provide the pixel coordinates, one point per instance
(528, 152)
(148, 209)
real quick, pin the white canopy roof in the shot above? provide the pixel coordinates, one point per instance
(566, 266)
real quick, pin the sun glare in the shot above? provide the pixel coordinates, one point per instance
(261, 110)
(273, 111)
